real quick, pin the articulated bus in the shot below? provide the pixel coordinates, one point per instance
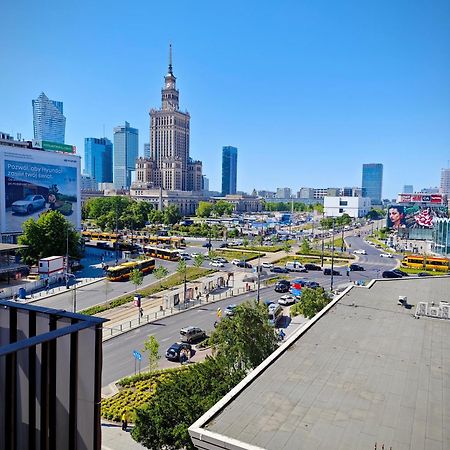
(122, 271)
(426, 263)
(100, 236)
(162, 253)
(168, 241)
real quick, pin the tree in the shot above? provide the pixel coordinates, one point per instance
(245, 340)
(48, 236)
(274, 239)
(156, 216)
(160, 272)
(182, 269)
(204, 209)
(222, 208)
(306, 247)
(258, 239)
(287, 247)
(151, 348)
(198, 260)
(137, 278)
(171, 215)
(312, 301)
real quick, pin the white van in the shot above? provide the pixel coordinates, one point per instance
(295, 266)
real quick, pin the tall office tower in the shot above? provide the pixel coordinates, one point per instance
(229, 170)
(372, 182)
(408, 189)
(445, 182)
(205, 183)
(126, 149)
(146, 150)
(98, 159)
(49, 123)
(172, 168)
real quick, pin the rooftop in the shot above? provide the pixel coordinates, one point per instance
(365, 371)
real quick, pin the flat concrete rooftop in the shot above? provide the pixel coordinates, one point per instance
(366, 372)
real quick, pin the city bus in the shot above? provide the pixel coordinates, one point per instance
(100, 236)
(162, 253)
(166, 241)
(426, 263)
(122, 271)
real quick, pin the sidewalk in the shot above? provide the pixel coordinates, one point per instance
(113, 438)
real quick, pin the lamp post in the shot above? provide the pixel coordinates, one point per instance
(332, 259)
(321, 256)
(259, 278)
(342, 240)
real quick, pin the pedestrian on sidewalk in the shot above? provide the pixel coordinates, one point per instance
(124, 420)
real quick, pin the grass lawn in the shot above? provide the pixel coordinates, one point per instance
(381, 243)
(236, 254)
(258, 248)
(416, 271)
(328, 253)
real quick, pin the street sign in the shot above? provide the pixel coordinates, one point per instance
(137, 355)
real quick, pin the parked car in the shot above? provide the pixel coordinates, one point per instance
(299, 283)
(267, 265)
(355, 268)
(174, 351)
(194, 255)
(423, 274)
(244, 264)
(216, 264)
(386, 255)
(286, 300)
(294, 266)
(328, 272)
(309, 266)
(282, 286)
(360, 252)
(312, 284)
(184, 254)
(277, 269)
(230, 310)
(222, 260)
(391, 274)
(207, 245)
(268, 302)
(191, 334)
(223, 245)
(29, 204)
(400, 272)
(235, 261)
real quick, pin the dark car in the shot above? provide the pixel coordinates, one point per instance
(244, 264)
(224, 245)
(309, 266)
(355, 267)
(312, 284)
(207, 245)
(277, 269)
(391, 274)
(174, 351)
(423, 274)
(282, 286)
(400, 272)
(328, 272)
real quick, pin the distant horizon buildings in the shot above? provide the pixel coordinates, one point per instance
(126, 150)
(49, 122)
(408, 189)
(229, 170)
(98, 162)
(372, 182)
(445, 182)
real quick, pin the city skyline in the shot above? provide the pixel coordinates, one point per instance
(361, 84)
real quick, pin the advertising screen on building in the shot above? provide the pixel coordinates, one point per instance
(36, 181)
(414, 216)
(437, 199)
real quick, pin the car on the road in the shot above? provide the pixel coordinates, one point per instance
(277, 269)
(217, 264)
(185, 257)
(400, 272)
(230, 310)
(312, 284)
(298, 283)
(361, 251)
(29, 204)
(423, 274)
(207, 245)
(192, 334)
(267, 265)
(355, 268)
(194, 255)
(223, 245)
(222, 260)
(286, 300)
(184, 254)
(235, 261)
(386, 255)
(391, 274)
(244, 264)
(328, 272)
(295, 266)
(282, 286)
(309, 266)
(174, 351)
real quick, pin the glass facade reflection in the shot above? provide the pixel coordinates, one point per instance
(372, 182)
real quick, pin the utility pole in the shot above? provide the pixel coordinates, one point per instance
(342, 239)
(259, 278)
(321, 256)
(117, 232)
(74, 293)
(332, 259)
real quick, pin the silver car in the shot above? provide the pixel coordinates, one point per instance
(29, 204)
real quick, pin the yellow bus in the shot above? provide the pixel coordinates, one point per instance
(122, 271)
(162, 253)
(167, 241)
(426, 263)
(100, 236)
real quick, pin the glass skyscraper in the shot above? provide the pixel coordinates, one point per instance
(372, 182)
(229, 170)
(49, 123)
(98, 159)
(126, 149)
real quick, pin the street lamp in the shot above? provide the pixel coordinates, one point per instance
(332, 259)
(321, 256)
(74, 291)
(259, 278)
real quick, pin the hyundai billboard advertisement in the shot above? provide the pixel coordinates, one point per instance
(36, 181)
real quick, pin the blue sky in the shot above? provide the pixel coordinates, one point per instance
(307, 90)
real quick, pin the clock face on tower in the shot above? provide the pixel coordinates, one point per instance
(168, 85)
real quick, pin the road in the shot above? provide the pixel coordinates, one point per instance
(117, 353)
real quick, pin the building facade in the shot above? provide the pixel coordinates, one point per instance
(441, 236)
(146, 150)
(88, 183)
(283, 193)
(372, 182)
(126, 149)
(408, 189)
(172, 169)
(353, 206)
(49, 123)
(445, 182)
(98, 159)
(229, 170)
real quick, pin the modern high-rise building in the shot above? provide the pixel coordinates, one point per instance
(372, 182)
(205, 183)
(49, 123)
(169, 165)
(408, 189)
(98, 159)
(283, 192)
(146, 150)
(229, 170)
(126, 150)
(445, 182)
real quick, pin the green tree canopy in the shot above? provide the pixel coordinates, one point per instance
(136, 277)
(171, 215)
(311, 302)
(47, 236)
(221, 208)
(204, 209)
(160, 272)
(151, 348)
(305, 247)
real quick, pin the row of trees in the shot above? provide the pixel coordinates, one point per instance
(327, 222)
(110, 213)
(217, 209)
(297, 207)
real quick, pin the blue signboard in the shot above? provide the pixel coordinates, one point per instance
(137, 355)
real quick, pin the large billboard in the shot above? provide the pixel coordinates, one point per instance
(436, 199)
(414, 216)
(36, 181)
